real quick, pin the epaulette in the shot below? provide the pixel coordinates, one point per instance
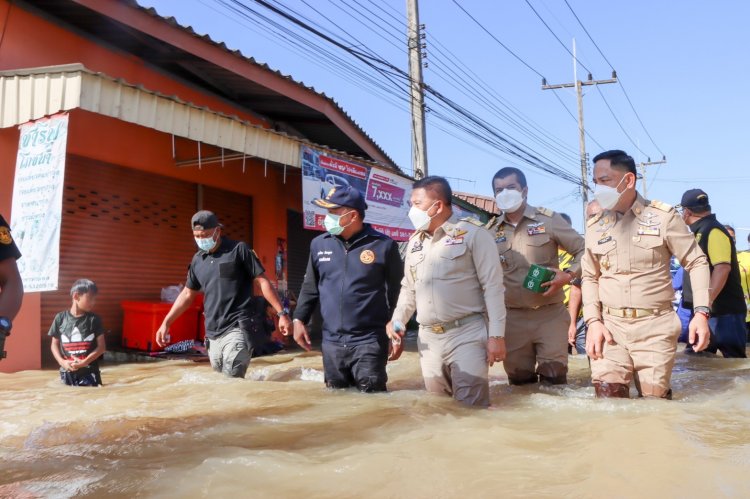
(591, 221)
(415, 234)
(661, 206)
(491, 223)
(473, 221)
(545, 211)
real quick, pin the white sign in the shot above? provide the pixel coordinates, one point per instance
(37, 201)
(386, 193)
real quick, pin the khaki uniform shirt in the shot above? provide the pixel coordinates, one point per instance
(626, 263)
(536, 239)
(452, 274)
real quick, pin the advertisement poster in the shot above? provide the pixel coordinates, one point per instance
(386, 193)
(37, 201)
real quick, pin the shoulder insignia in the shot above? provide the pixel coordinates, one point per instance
(473, 221)
(491, 223)
(591, 221)
(661, 206)
(545, 211)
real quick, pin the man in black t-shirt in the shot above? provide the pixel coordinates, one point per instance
(11, 287)
(224, 270)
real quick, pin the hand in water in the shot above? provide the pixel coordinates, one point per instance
(395, 331)
(301, 336)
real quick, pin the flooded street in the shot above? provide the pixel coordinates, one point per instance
(176, 429)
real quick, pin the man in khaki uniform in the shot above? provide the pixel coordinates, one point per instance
(453, 279)
(538, 323)
(627, 290)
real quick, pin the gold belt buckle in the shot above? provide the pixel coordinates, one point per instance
(630, 313)
(437, 328)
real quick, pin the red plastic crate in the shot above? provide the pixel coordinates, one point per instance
(141, 320)
(198, 303)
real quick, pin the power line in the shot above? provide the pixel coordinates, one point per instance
(619, 79)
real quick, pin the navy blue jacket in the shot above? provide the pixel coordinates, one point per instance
(356, 283)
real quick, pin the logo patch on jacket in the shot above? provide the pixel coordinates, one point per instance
(367, 257)
(5, 236)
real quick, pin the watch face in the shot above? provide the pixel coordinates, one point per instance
(4, 323)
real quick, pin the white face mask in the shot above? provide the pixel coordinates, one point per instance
(509, 200)
(419, 218)
(607, 196)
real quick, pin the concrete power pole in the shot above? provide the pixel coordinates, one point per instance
(642, 167)
(578, 85)
(418, 134)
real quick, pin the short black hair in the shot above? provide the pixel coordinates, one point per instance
(699, 210)
(361, 214)
(619, 160)
(566, 217)
(508, 171)
(83, 286)
(438, 185)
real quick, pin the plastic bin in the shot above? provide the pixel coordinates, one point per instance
(198, 303)
(142, 319)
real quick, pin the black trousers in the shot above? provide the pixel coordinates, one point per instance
(361, 365)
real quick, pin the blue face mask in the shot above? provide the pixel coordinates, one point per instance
(206, 243)
(331, 223)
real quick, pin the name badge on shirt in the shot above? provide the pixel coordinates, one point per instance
(604, 240)
(501, 239)
(536, 229)
(648, 230)
(452, 241)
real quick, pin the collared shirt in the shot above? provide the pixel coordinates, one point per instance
(452, 274)
(226, 277)
(626, 262)
(535, 239)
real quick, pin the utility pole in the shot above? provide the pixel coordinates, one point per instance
(578, 85)
(418, 134)
(642, 167)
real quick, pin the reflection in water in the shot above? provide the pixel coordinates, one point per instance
(175, 429)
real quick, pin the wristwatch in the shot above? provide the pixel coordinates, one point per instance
(703, 310)
(282, 312)
(5, 325)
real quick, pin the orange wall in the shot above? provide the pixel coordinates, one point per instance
(24, 343)
(30, 41)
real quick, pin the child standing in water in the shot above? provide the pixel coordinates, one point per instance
(78, 337)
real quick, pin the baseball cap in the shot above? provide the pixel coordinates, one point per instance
(694, 198)
(203, 220)
(342, 196)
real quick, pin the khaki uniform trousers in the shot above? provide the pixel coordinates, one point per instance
(537, 344)
(455, 362)
(645, 350)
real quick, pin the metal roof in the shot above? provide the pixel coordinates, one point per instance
(486, 203)
(287, 114)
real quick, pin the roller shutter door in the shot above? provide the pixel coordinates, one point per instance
(127, 230)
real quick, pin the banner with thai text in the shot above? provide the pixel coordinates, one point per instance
(37, 201)
(387, 194)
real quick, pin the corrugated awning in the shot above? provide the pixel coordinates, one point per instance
(31, 94)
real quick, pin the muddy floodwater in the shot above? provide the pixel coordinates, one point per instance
(175, 429)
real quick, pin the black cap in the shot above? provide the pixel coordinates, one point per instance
(694, 198)
(203, 220)
(343, 196)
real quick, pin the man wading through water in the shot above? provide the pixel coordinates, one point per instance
(225, 271)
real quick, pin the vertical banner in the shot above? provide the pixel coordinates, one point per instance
(387, 194)
(37, 200)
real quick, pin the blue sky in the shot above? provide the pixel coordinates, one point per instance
(683, 64)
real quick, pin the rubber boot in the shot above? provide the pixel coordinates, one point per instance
(612, 390)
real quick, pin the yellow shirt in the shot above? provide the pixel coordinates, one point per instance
(719, 247)
(564, 258)
(743, 258)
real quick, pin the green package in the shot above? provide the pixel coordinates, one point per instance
(536, 276)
